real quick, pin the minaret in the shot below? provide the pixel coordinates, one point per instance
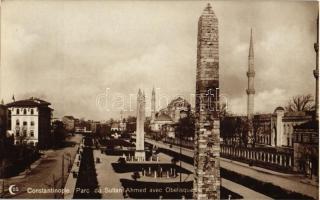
(153, 106)
(250, 75)
(121, 116)
(207, 137)
(140, 153)
(316, 71)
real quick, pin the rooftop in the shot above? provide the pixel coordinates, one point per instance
(35, 102)
(308, 125)
(163, 117)
(69, 117)
(178, 102)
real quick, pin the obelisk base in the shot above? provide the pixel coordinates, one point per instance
(140, 155)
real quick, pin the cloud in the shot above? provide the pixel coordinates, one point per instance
(71, 52)
(262, 103)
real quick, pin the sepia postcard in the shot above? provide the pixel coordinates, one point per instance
(159, 99)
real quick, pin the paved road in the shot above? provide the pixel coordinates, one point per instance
(234, 187)
(109, 181)
(41, 177)
(285, 181)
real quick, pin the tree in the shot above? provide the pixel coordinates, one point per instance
(242, 130)
(186, 125)
(59, 133)
(111, 121)
(223, 110)
(300, 103)
(122, 160)
(147, 126)
(135, 175)
(131, 119)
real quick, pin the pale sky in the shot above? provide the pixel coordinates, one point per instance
(70, 52)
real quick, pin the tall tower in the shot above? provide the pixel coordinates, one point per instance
(121, 116)
(140, 153)
(153, 105)
(207, 136)
(250, 75)
(316, 71)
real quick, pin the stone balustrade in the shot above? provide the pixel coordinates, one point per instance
(265, 157)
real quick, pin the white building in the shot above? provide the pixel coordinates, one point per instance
(30, 122)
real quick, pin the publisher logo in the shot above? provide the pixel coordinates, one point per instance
(13, 189)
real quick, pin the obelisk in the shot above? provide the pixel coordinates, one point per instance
(207, 136)
(140, 154)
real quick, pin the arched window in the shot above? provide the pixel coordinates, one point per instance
(18, 111)
(31, 111)
(17, 122)
(24, 111)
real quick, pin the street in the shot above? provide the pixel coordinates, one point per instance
(42, 176)
(287, 181)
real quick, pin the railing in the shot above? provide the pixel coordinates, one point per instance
(176, 141)
(279, 159)
(272, 158)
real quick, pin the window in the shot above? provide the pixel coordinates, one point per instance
(17, 133)
(32, 123)
(31, 111)
(18, 111)
(31, 133)
(24, 111)
(17, 122)
(24, 133)
(25, 123)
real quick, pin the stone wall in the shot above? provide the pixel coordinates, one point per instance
(207, 137)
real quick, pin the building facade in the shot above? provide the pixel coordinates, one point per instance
(274, 129)
(31, 122)
(316, 71)
(161, 119)
(4, 122)
(306, 148)
(3, 131)
(165, 121)
(175, 108)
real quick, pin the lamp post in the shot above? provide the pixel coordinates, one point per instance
(180, 157)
